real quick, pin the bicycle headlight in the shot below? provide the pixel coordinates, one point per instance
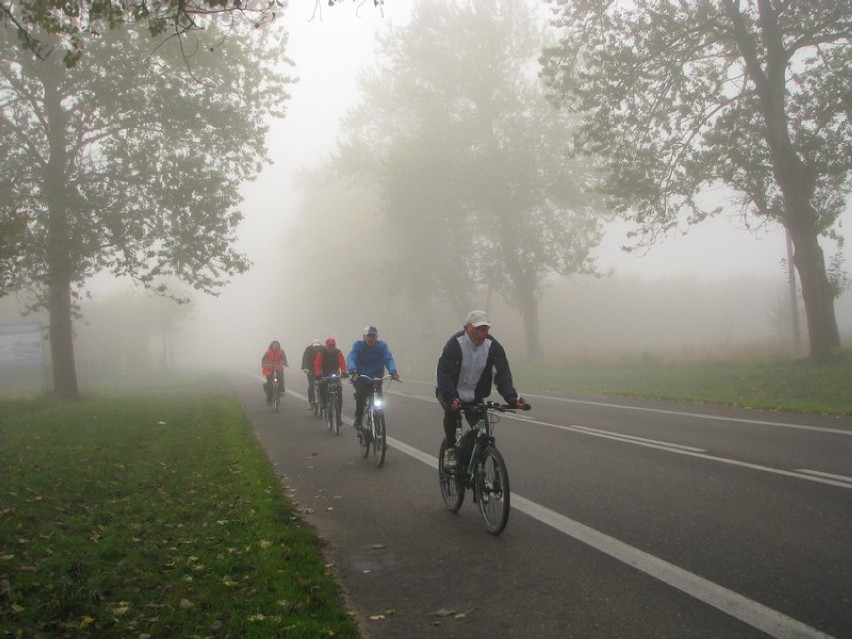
(379, 402)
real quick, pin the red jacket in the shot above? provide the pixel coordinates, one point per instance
(273, 360)
(329, 362)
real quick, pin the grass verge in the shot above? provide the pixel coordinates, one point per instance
(152, 517)
(791, 385)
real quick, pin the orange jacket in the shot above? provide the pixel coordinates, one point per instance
(273, 360)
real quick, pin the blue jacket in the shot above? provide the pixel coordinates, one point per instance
(496, 370)
(371, 361)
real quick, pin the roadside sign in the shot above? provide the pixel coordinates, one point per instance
(21, 344)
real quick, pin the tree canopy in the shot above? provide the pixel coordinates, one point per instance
(479, 195)
(62, 29)
(131, 163)
(678, 98)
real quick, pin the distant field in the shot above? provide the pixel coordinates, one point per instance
(796, 386)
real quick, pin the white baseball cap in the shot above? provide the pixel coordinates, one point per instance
(477, 319)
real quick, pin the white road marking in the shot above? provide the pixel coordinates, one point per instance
(772, 622)
(663, 411)
(842, 478)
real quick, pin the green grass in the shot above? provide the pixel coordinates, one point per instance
(787, 385)
(152, 517)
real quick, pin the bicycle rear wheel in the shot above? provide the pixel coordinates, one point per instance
(491, 487)
(379, 443)
(452, 489)
(316, 404)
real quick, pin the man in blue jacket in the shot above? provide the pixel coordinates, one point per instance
(471, 361)
(369, 356)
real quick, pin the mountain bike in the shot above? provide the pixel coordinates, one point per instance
(480, 466)
(373, 435)
(333, 403)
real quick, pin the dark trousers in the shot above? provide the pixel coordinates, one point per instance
(451, 420)
(362, 392)
(310, 388)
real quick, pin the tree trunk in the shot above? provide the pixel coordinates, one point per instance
(532, 331)
(61, 339)
(823, 335)
(59, 267)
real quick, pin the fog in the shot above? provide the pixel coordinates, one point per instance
(718, 289)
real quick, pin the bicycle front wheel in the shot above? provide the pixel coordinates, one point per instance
(379, 443)
(492, 490)
(329, 413)
(452, 489)
(338, 409)
(364, 434)
(276, 397)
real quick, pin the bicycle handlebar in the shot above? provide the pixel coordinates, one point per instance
(373, 380)
(490, 405)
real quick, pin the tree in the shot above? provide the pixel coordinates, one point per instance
(131, 163)
(682, 97)
(479, 195)
(46, 27)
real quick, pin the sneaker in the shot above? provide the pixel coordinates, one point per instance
(450, 462)
(357, 424)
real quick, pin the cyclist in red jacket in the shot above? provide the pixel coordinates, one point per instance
(274, 359)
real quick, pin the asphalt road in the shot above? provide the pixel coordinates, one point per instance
(629, 519)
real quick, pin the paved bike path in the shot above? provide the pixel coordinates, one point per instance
(410, 569)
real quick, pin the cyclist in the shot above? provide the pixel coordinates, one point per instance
(328, 361)
(471, 361)
(369, 356)
(308, 358)
(274, 359)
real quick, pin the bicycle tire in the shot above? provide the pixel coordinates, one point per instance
(329, 415)
(452, 489)
(316, 404)
(364, 433)
(491, 486)
(379, 436)
(338, 418)
(276, 397)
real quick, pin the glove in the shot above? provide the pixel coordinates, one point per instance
(353, 375)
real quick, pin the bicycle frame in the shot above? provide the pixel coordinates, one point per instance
(484, 471)
(374, 434)
(333, 402)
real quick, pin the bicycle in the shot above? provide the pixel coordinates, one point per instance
(313, 394)
(277, 388)
(373, 436)
(333, 403)
(480, 466)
